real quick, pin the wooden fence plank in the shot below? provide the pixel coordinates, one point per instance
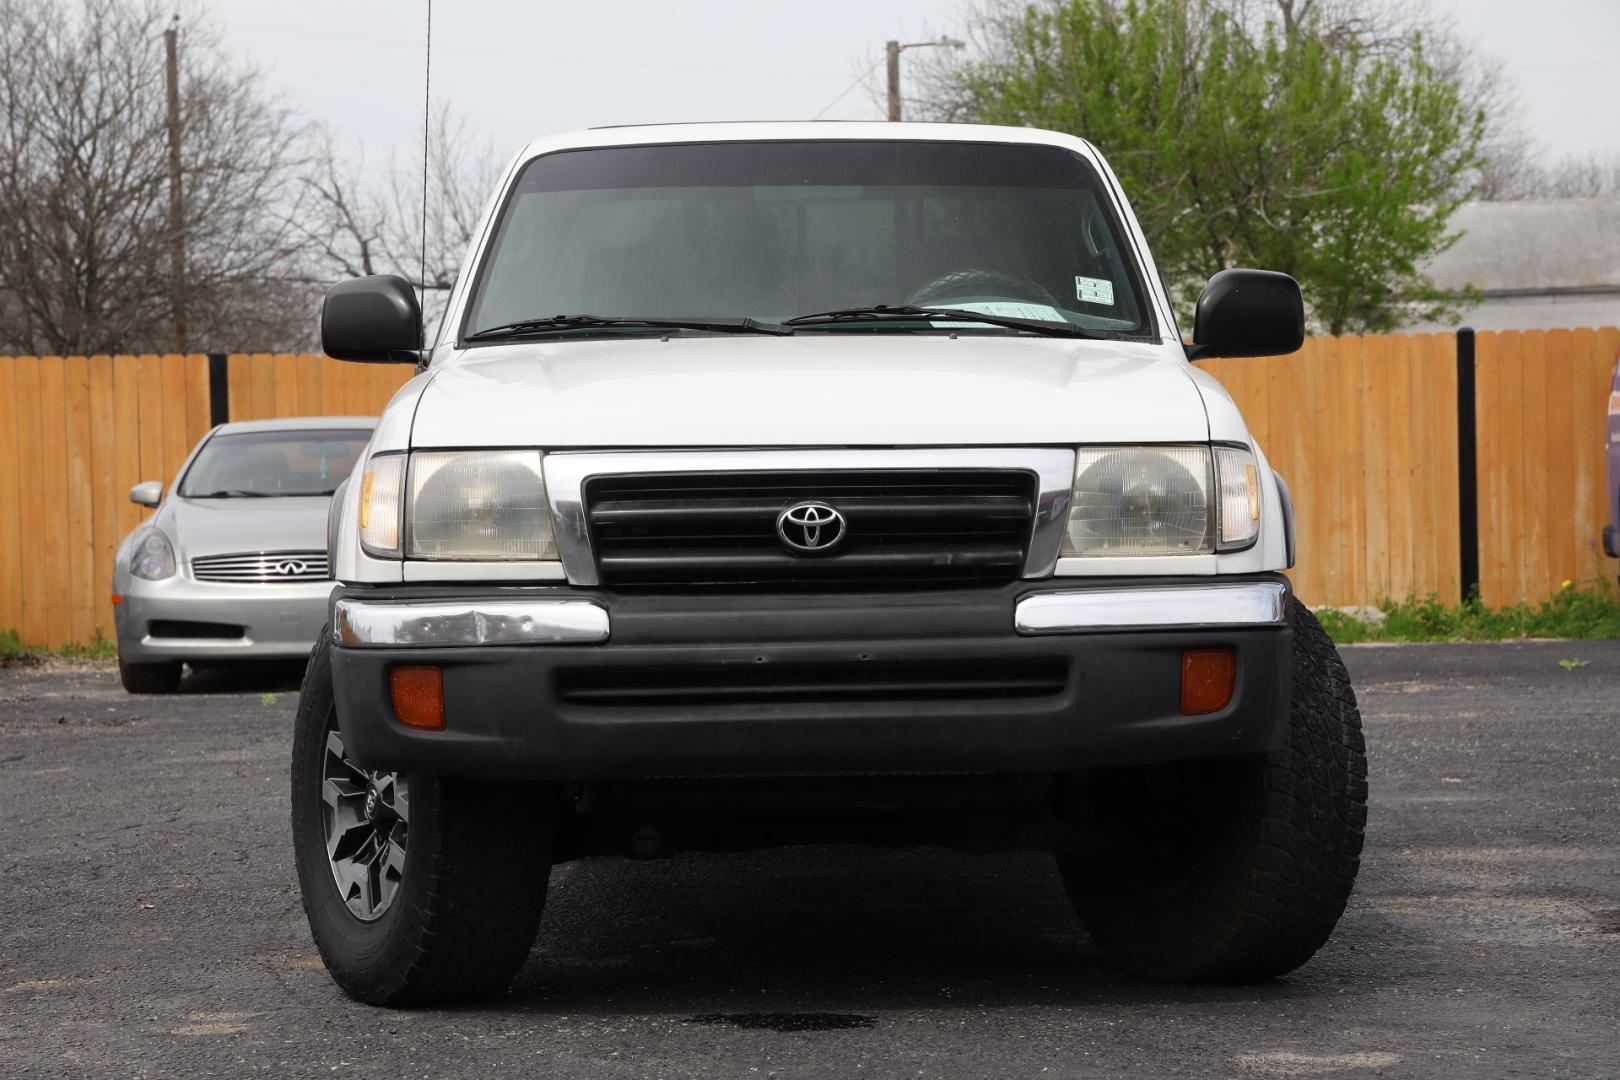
(1351, 503)
(31, 502)
(1442, 490)
(79, 496)
(238, 377)
(53, 460)
(104, 479)
(1530, 534)
(11, 570)
(1399, 476)
(1557, 502)
(1594, 371)
(1374, 440)
(177, 441)
(127, 457)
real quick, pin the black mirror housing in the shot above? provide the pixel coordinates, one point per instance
(374, 319)
(1248, 313)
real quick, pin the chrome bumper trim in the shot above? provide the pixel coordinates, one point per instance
(453, 623)
(1259, 603)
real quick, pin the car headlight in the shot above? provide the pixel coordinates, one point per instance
(484, 505)
(1162, 500)
(152, 556)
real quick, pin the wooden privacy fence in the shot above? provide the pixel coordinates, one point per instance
(1365, 429)
(76, 433)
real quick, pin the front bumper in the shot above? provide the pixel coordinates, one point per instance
(1026, 677)
(162, 620)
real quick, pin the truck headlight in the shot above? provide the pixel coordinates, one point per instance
(484, 505)
(1140, 500)
(152, 556)
(1162, 500)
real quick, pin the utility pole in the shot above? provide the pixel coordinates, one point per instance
(894, 49)
(177, 225)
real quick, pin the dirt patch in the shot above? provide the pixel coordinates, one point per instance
(1285, 1063)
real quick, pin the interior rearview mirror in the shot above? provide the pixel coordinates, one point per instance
(147, 493)
(375, 319)
(1248, 313)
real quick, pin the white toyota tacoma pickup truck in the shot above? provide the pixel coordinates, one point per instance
(817, 483)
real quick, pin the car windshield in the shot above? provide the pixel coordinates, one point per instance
(775, 230)
(269, 463)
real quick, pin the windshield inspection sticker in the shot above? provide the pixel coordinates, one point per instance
(1094, 290)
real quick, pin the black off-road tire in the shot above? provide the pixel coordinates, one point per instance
(160, 678)
(1233, 870)
(473, 887)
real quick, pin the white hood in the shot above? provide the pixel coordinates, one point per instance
(813, 390)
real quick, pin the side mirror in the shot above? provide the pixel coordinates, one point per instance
(147, 493)
(1248, 313)
(375, 319)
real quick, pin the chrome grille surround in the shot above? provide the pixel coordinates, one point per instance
(568, 471)
(262, 568)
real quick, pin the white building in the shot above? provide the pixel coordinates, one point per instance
(1540, 264)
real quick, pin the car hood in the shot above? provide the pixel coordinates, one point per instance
(822, 390)
(228, 526)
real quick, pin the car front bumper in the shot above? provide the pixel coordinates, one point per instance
(269, 621)
(562, 683)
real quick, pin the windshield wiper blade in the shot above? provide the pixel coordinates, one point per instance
(907, 312)
(740, 324)
(232, 493)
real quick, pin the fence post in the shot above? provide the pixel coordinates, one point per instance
(219, 390)
(1467, 466)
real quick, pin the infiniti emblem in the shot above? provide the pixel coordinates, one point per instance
(810, 526)
(291, 567)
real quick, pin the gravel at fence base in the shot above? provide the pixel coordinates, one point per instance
(152, 927)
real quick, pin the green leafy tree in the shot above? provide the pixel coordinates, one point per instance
(1292, 143)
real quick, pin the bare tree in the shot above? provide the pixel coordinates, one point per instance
(84, 222)
(361, 224)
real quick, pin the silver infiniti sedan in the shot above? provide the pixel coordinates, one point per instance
(233, 565)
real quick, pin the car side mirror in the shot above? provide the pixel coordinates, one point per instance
(147, 493)
(374, 319)
(1248, 313)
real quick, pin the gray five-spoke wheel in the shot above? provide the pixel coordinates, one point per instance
(367, 816)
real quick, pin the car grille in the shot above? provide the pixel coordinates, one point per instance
(904, 527)
(261, 567)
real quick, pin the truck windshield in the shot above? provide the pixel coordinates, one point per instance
(774, 230)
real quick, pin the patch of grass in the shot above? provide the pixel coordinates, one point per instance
(13, 649)
(1590, 610)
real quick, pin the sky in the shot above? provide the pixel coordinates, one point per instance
(519, 69)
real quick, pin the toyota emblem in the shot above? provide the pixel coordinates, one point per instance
(810, 526)
(291, 567)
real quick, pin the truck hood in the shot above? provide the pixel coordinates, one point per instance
(815, 390)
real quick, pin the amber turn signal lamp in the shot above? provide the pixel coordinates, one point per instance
(117, 598)
(418, 695)
(1207, 678)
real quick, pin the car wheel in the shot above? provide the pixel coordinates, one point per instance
(1233, 870)
(162, 678)
(419, 890)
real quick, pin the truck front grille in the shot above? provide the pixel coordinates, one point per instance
(908, 527)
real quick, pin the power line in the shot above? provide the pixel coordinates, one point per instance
(845, 92)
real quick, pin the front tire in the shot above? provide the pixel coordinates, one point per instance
(444, 904)
(1233, 870)
(160, 678)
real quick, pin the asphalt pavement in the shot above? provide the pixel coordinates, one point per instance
(150, 923)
